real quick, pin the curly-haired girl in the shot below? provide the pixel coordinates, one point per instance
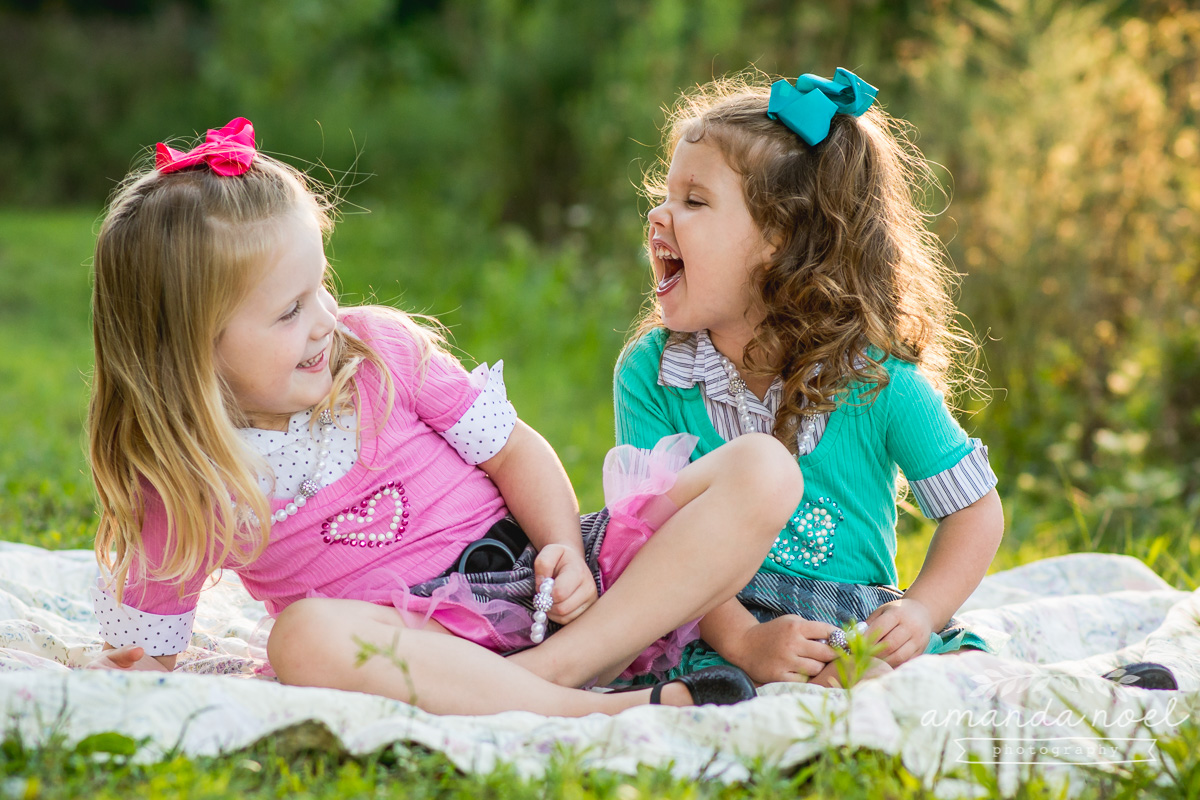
(798, 292)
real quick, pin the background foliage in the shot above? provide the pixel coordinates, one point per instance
(489, 153)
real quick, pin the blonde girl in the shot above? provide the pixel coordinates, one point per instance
(365, 486)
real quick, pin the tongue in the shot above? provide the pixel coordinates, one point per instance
(666, 283)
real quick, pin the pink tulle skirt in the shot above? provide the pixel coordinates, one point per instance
(494, 609)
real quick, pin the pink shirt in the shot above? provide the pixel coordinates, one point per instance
(449, 502)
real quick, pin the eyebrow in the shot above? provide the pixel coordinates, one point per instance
(692, 183)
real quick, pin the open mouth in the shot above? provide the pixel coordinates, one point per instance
(672, 269)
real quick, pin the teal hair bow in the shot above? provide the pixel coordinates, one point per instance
(808, 107)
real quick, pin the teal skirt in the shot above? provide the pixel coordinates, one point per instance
(770, 595)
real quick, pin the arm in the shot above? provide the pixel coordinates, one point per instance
(959, 555)
(150, 634)
(538, 492)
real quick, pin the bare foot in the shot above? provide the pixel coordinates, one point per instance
(830, 678)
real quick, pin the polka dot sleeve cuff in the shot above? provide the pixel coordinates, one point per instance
(121, 625)
(486, 425)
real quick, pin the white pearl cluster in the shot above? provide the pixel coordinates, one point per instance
(312, 484)
(746, 421)
(808, 538)
(542, 602)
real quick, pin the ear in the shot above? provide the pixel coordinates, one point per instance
(772, 242)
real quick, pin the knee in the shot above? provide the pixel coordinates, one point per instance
(770, 475)
(294, 646)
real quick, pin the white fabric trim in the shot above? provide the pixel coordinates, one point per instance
(290, 455)
(959, 486)
(484, 428)
(121, 625)
(695, 360)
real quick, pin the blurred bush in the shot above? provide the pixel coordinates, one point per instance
(1072, 139)
(500, 142)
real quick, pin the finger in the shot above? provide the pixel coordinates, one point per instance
(789, 676)
(570, 616)
(879, 631)
(816, 650)
(126, 657)
(806, 668)
(120, 657)
(877, 613)
(891, 643)
(814, 630)
(547, 564)
(574, 604)
(909, 651)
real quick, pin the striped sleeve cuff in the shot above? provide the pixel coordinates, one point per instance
(486, 425)
(159, 634)
(958, 487)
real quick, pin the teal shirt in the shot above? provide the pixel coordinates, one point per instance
(851, 478)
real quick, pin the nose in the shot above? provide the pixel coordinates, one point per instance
(326, 315)
(658, 215)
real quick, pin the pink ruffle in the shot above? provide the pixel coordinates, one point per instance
(496, 624)
(636, 483)
(635, 486)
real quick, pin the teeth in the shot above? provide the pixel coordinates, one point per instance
(662, 252)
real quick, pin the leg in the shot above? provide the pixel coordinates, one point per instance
(732, 504)
(317, 642)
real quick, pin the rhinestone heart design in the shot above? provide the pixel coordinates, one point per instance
(339, 528)
(808, 538)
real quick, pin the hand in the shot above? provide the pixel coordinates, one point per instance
(574, 586)
(129, 657)
(787, 648)
(902, 627)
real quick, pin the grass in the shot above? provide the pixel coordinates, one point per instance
(558, 318)
(100, 768)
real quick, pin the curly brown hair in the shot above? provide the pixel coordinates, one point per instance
(857, 276)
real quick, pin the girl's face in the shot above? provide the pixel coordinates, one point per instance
(274, 353)
(703, 247)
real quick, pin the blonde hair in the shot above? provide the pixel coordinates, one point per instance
(175, 256)
(855, 266)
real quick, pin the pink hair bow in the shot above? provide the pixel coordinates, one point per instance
(227, 151)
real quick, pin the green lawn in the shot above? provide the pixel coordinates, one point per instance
(558, 319)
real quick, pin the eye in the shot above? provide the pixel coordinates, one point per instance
(692, 202)
(293, 312)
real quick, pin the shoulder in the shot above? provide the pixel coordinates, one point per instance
(377, 325)
(391, 333)
(906, 381)
(644, 352)
(904, 389)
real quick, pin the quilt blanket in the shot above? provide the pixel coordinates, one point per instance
(1039, 704)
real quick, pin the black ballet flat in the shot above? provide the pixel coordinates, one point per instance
(1144, 675)
(722, 685)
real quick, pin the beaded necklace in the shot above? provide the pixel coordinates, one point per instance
(746, 421)
(312, 484)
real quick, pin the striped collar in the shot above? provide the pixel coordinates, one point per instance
(693, 360)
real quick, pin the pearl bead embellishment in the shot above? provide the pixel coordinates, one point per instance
(312, 484)
(747, 423)
(335, 527)
(542, 602)
(808, 537)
